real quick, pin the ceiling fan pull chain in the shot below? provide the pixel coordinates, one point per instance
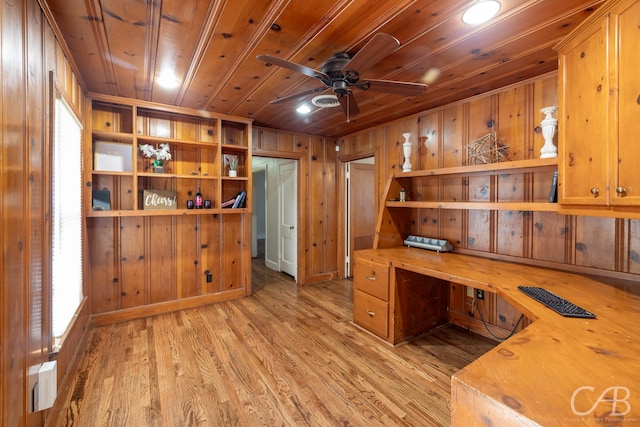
(348, 109)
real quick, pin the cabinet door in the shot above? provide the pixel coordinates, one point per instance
(584, 119)
(625, 158)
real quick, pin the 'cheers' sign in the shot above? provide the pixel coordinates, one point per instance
(159, 199)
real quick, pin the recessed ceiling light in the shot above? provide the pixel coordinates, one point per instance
(167, 81)
(303, 109)
(481, 12)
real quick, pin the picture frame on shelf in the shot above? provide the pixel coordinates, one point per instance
(101, 199)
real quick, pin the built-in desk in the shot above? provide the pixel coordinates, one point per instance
(558, 371)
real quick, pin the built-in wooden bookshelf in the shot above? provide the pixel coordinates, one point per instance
(198, 143)
(426, 189)
(143, 259)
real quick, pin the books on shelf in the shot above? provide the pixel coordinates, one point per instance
(553, 191)
(228, 203)
(237, 202)
(240, 199)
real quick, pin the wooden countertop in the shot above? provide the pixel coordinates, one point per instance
(557, 371)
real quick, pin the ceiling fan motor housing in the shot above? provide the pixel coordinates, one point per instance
(333, 68)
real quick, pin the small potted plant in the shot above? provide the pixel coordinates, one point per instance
(159, 155)
(232, 161)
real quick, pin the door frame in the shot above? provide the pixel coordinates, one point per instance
(301, 224)
(343, 220)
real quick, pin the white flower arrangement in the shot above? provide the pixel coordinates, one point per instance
(160, 154)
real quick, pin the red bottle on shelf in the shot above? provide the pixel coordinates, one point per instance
(198, 199)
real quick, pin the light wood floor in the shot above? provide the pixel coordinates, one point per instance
(282, 357)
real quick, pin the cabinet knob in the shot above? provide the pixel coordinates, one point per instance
(621, 190)
(371, 313)
(594, 191)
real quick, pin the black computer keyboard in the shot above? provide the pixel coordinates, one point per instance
(554, 302)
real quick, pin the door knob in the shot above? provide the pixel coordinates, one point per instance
(291, 227)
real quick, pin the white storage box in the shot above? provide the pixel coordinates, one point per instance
(112, 157)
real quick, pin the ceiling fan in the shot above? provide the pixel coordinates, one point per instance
(341, 73)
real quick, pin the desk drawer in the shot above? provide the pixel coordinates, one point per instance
(371, 313)
(372, 278)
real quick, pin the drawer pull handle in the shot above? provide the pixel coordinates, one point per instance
(371, 313)
(371, 277)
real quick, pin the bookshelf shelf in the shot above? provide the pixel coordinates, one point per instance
(476, 187)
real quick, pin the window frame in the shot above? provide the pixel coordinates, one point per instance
(57, 93)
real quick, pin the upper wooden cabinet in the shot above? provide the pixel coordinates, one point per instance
(599, 113)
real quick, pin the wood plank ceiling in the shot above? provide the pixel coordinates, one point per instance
(121, 46)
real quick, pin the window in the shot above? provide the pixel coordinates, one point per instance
(66, 260)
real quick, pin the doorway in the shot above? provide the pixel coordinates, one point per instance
(274, 216)
(360, 208)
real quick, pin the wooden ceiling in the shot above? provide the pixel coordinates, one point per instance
(121, 46)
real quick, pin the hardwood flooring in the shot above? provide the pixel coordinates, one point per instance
(282, 357)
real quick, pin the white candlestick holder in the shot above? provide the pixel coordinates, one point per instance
(549, 124)
(406, 148)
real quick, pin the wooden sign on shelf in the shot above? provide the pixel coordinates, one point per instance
(159, 199)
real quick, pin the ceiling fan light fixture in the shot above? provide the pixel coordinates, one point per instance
(481, 12)
(303, 109)
(325, 101)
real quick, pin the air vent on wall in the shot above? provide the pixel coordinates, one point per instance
(325, 101)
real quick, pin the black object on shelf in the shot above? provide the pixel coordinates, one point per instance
(101, 200)
(553, 191)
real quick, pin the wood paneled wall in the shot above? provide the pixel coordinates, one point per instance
(439, 138)
(30, 52)
(317, 201)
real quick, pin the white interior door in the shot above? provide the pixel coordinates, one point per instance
(289, 219)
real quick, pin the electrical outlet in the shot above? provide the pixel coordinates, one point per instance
(479, 294)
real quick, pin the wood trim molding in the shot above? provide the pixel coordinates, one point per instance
(164, 307)
(61, 43)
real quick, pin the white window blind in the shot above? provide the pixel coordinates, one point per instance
(66, 263)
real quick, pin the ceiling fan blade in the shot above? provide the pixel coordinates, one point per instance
(349, 105)
(397, 88)
(297, 95)
(292, 66)
(371, 53)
